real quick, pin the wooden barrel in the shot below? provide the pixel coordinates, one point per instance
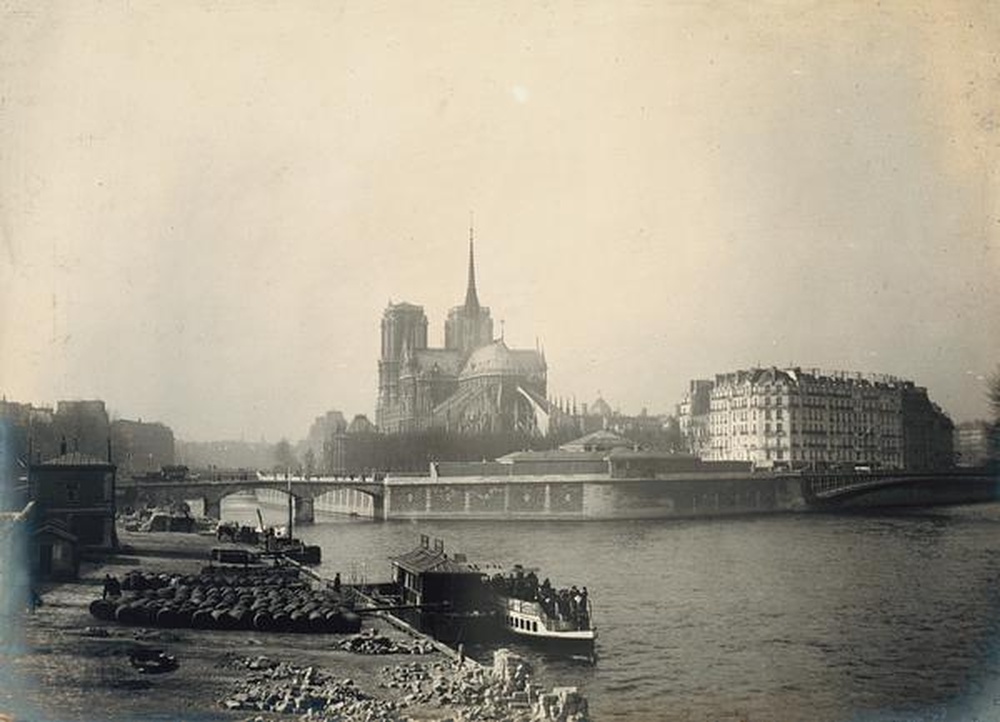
(202, 619)
(220, 619)
(317, 622)
(263, 621)
(282, 622)
(240, 618)
(103, 609)
(167, 617)
(351, 622)
(184, 615)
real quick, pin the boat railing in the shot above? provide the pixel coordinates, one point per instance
(535, 609)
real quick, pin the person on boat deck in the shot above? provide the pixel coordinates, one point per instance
(336, 582)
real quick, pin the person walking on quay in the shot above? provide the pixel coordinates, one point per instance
(336, 582)
(112, 588)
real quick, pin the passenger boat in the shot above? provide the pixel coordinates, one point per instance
(455, 600)
(528, 621)
(558, 619)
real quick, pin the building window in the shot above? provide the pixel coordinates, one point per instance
(72, 491)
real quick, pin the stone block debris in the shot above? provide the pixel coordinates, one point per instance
(470, 693)
(370, 642)
(562, 704)
(283, 688)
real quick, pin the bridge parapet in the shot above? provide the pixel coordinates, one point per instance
(303, 490)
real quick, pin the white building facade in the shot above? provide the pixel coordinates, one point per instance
(791, 418)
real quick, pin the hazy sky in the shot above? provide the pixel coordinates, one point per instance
(206, 206)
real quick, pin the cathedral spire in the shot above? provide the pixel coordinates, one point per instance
(471, 298)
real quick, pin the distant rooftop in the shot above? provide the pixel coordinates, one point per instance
(601, 440)
(76, 458)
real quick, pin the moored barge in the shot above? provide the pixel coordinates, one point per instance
(457, 602)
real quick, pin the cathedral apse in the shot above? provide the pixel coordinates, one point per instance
(476, 384)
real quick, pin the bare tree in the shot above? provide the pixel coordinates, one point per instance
(993, 394)
(284, 457)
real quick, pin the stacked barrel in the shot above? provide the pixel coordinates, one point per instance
(266, 600)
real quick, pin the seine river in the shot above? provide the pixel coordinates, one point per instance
(873, 617)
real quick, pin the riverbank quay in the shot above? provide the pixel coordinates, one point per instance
(63, 664)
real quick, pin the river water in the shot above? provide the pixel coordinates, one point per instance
(887, 617)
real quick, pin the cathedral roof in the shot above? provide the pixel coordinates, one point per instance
(445, 361)
(601, 440)
(496, 359)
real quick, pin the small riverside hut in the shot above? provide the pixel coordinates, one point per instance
(58, 555)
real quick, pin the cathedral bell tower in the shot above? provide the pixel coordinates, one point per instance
(404, 328)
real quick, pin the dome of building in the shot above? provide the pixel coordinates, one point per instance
(495, 359)
(601, 408)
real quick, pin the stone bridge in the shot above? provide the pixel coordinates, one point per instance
(212, 491)
(898, 488)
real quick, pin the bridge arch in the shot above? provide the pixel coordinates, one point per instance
(897, 488)
(304, 491)
(348, 500)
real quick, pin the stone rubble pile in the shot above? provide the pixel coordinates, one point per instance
(469, 693)
(512, 674)
(504, 692)
(370, 642)
(283, 688)
(562, 704)
(440, 684)
(94, 632)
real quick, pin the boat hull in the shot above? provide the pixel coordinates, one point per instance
(555, 643)
(526, 622)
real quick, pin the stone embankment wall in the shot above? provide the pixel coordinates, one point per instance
(597, 497)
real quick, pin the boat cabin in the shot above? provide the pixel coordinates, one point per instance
(428, 578)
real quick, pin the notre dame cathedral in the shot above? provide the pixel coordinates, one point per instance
(476, 384)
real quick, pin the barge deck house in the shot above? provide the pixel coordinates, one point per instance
(443, 596)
